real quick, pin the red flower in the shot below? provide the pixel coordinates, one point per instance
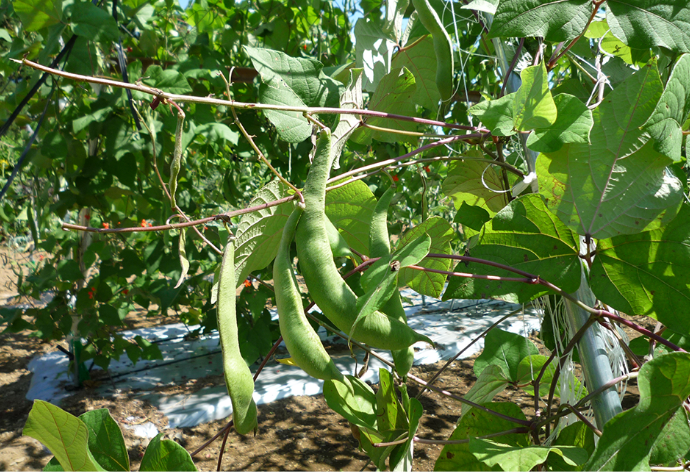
(395, 178)
(87, 217)
(125, 291)
(91, 295)
(143, 223)
(247, 283)
(106, 225)
(426, 168)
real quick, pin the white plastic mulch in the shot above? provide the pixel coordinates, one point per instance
(451, 325)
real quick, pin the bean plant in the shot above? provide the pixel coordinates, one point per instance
(525, 151)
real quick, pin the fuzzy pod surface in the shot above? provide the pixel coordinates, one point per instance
(238, 377)
(333, 296)
(301, 341)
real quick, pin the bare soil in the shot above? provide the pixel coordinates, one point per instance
(297, 433)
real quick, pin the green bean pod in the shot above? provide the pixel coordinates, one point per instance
(302, 342)
(339, 246)
(238, 377)
(442, 47)
(330, 292)
(379, 246)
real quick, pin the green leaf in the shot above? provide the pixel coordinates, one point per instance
(38, 14)
(106, 442)
(259, 232)
(68, 270)
(390, 413)
(380, 281)
(526, 236)
(522, 458)
(497, 115)
(401, 457)
(65, 435)
(302, 75)
(644, 24)
(641, 274)
(628, 438)
(534, 106)
(420, 59)
(472, 218)
(395, 11)
(464, 183)
(579, 181)
(373, 51)
(487, 6)
(93, 23)
(674, 441)
(554, 20)
(168, 80)
(672, 111)
(572, 125)
(407, 255)
(480, 423)
(394, 94)
(490, 383)
(529, 369)
(353, 400)
(166, 455)
(577, 434)
(217, 132)
(291, 126)
(505, 350)
(597, 29)
(428, 283)
(4, 34)
(350, 208)
(53, 466)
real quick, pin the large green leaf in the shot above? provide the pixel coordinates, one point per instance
(480, 423)
(302, 75)
(572, 125)
(166, 455)
(497, 114)
(523, 458)
(619, 183)
(628, 438)
(350, 208)
(530, 367)
(353, 400)
(401, 457)
(38, 14)
(428, 283)
(65, 435)
(554, 20)
(106, 442)
(505, 350)
(526, 236)
(674, 441)
(93, 23)
(577, 434)
(464, 183)
(644, 24)
(672, 111)
(490, 383)
(420, 59)
(646, 273)
(394, 94)
(259, 232)
(168, 80)
(534, 106)
(291, 126)
(374, 52)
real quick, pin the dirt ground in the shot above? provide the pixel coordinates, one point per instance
(297, 433)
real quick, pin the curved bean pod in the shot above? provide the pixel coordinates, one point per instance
(330, 292)
(302, 342)
(238, 378)
(379, 246)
